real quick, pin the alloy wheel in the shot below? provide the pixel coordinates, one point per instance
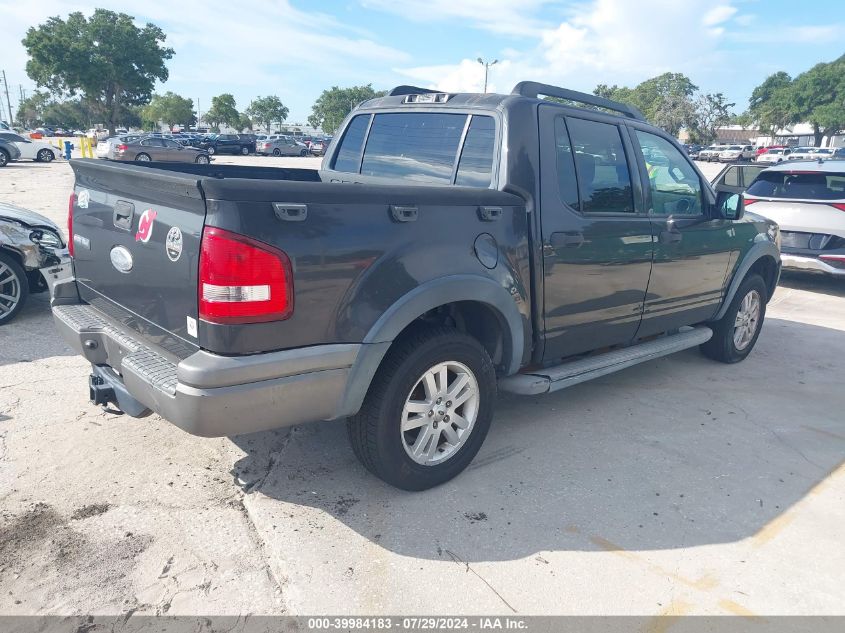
(439, 413)
(10, 290)
(747, 319)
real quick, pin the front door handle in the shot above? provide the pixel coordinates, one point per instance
(570, 240)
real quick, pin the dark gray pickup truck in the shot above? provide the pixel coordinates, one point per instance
(450, 245)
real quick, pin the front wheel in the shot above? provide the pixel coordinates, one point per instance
(303, 152)
(211, 151)
(244, 151)
(736, 333)
(14, 287)
(202, 159)
(45, 156)
(427, 411)
(143, 158)
(4, 158)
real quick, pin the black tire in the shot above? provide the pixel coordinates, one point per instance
(722, 347)
(375, 430)
(244, 151)
(5, 159)
(143, 158)
(201, 159)
(12, 273)
(211, 151)
(45, 156)
(303, 152)
(277, 152)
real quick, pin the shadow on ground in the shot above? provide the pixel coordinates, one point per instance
(32, 334)
(833, 286)
(675, 453)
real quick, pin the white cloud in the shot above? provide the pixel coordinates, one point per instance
(505, 17)
(603, 41)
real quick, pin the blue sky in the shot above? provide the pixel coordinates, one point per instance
(296, 48)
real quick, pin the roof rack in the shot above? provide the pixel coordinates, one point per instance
(533, 89)
(409, 90)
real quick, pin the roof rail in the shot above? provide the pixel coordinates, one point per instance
(409, 90)
(533, 89)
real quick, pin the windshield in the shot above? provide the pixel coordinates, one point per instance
(775, 151)
(799, 185)
(734, 148)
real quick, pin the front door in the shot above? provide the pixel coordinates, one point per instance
(693, 247)
(597, 241)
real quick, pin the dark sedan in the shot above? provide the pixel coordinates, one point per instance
(155, 148)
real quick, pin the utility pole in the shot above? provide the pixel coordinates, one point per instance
(486, 69)
(199, 113)
(8, 101)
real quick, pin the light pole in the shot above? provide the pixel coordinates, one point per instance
(486, 69)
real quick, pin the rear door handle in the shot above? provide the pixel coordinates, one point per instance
(570, 240)
(668, 237)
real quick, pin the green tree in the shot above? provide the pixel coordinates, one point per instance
(818, 97)
(31, 110)
(244, 123)
(665, 100)
(169, 109)
(222, 110)
(711, 111)
(267, 111)
(772, 103)
(107, 59)
(334, 104)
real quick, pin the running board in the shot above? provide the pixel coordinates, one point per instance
(576, 371)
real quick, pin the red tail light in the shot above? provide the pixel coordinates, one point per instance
(122, 148)
(838, 205)
(242, 280)
(70, 204)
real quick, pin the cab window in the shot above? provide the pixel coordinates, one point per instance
(674, 185)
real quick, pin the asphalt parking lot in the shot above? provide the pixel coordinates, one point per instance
(681, 486)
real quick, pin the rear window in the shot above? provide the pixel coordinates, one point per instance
(349, 154)
(475, 168)
(420, 147)
(799, 185)
(414, 146)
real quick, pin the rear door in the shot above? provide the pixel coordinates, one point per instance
(137, 234)
(597, 238)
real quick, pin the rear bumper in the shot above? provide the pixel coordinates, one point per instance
(207, 394)
(797, 262)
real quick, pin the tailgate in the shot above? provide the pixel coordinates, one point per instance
(136, 235)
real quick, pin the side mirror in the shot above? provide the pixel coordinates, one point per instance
(729, 205)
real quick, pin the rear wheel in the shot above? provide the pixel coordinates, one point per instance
(211, 151)
(45, 156)
(244, 151)
(143, 158)
(4, 158)
(277, 152)
(303, 152)
(14, 288)
(736, 333)
(427, 411)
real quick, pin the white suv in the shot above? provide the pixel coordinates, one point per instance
(807, 200)
(734, 153)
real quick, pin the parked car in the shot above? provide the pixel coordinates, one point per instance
(284, 146)
(318, 147)
(342, 305)
(165, 150)
(30, 148)
(736, 153)
(228, 144)
(693, 150)
(802, 153)
(765, 148)
(807, 200)
(711, 153)
(107, 148)
(827, 153)
(737, 177)
(8, 152)
(774, 155)
(29, 242)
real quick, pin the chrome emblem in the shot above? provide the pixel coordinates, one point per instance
(121, 259)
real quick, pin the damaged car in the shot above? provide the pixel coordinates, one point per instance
(30, 246)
